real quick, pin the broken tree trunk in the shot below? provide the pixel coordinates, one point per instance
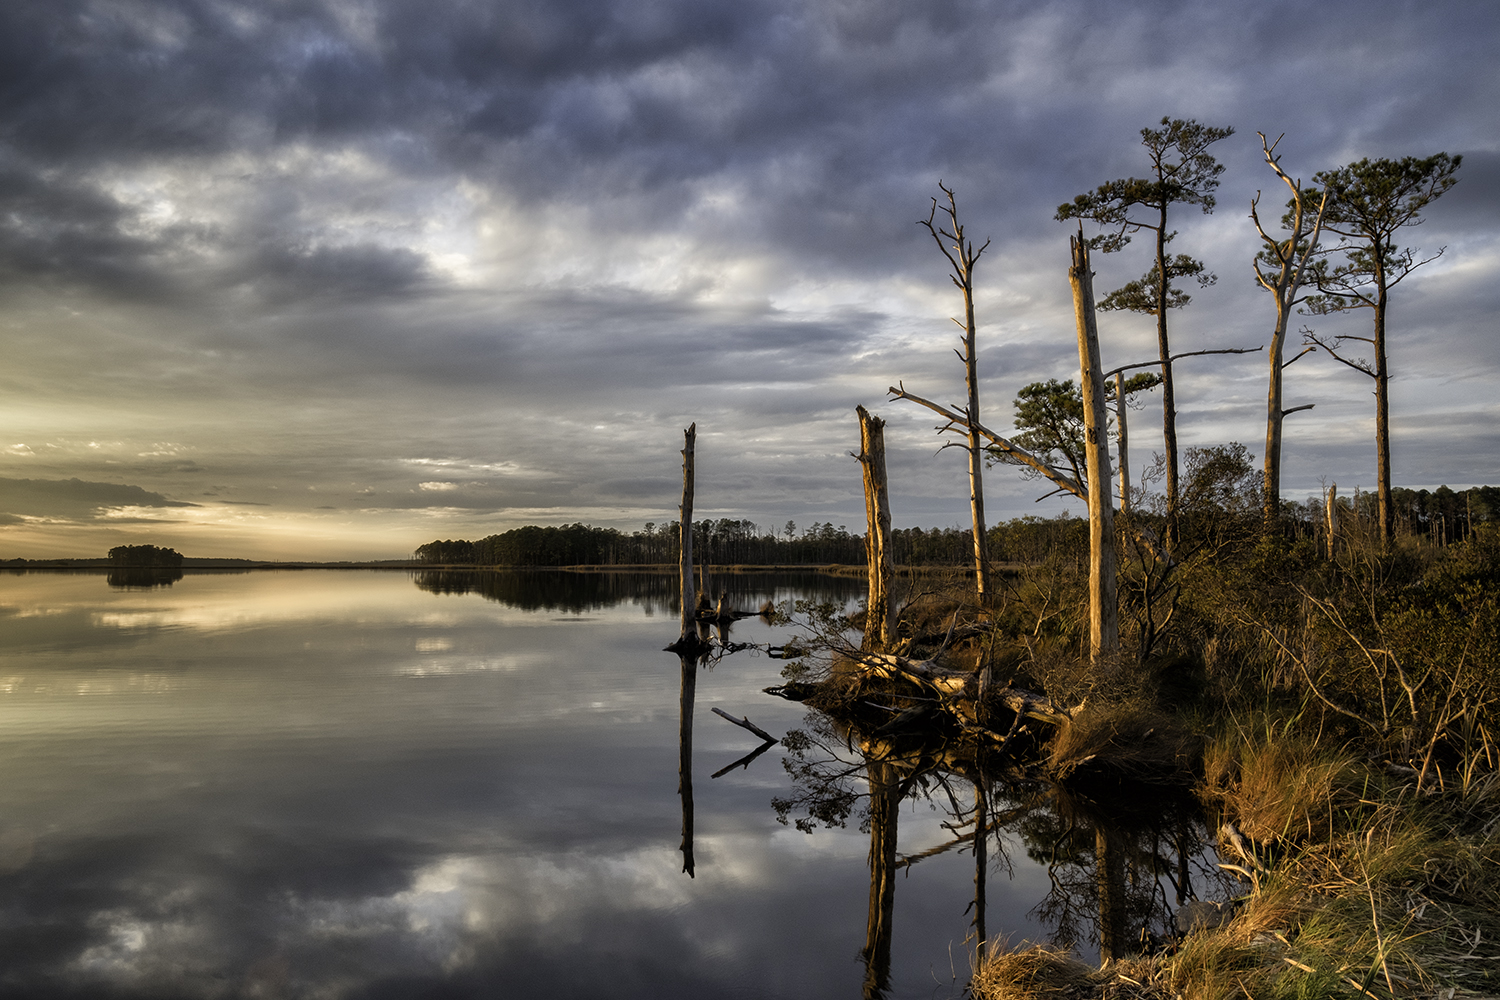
(1104, 611)
(687, 643)
(880, 608)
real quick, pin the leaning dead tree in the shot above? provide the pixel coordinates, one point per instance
(1104, 609)
(962, 256)
(880, 608)
(1281, 268)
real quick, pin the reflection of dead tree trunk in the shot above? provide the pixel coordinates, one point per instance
(1104, 612)
(885, 801)
(1111, 875)
(981, 863)
(880, 608)
(685, 755)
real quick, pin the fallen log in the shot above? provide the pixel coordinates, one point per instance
(957, 684)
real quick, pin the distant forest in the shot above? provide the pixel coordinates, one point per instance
(1442, 515)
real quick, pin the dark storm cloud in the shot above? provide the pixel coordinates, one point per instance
(823, 115)
(74, 498)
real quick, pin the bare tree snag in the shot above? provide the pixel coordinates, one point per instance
(687, 647)
(1282, 267)
(962, 256)
(880, 607)
(685, 535)
(1104, 611)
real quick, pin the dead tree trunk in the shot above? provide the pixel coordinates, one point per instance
(963, 256)
(687, 648)
(1104, 611)
(880, 607)
(685, 537)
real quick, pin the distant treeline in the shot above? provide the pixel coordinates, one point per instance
(729, 542)
(1443, 514)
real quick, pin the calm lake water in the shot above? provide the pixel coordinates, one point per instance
(368, 784)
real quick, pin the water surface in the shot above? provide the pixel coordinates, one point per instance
(364, 784)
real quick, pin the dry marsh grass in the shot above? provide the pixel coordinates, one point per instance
(1362, 889)
(1280, 785)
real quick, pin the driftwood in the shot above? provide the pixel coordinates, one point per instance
(745, 724)
(959, 686)
(768, 741)
(928, 696)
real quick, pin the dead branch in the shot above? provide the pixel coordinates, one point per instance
(744, 723)
(1185, 354)
(1358, 364)
(1070, 485)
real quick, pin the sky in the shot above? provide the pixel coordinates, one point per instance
(328, 279)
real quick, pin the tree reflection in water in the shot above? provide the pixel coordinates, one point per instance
(1121, 856)
(143, 577)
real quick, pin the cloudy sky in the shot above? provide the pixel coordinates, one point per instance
(331, 278)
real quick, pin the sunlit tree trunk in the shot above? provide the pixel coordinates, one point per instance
(880, 609)
(1104, 625)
